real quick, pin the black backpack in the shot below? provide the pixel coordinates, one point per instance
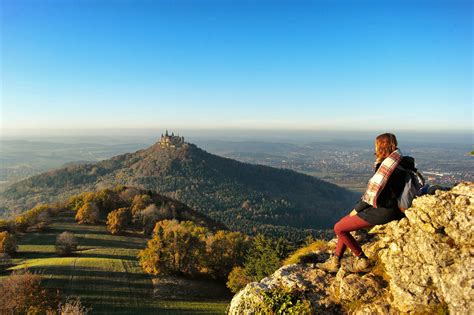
(414, 184)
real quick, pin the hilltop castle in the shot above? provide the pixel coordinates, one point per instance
(171, 141)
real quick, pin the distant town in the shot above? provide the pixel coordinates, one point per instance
(348, 164)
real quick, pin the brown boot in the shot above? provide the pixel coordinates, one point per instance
(331, 265)
(359, 264)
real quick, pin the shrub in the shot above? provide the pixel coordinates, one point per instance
(66, 243)
(73, 306)
(21, 293)
(305, 252)
(118, 220)
(309, 240)
(281, 301)
(7, 243)
(237, 279)
(88, 214)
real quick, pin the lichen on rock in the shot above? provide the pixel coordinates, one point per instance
(424, 264)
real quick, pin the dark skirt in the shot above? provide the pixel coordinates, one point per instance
(377, 216)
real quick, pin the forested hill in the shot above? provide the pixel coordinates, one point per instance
(245, 197)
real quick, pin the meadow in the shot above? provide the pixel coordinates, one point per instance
(105, 274)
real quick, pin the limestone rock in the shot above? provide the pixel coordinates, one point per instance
(424, 264)
(429, 259)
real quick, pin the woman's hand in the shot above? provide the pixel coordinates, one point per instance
(353, 213)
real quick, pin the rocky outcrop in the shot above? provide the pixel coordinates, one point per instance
(423, 264)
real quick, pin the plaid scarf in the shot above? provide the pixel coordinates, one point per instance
(380, 178)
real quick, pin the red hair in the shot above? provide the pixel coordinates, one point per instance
(385, 144)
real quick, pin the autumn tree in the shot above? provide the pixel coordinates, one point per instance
(186, 248)
(88, 214)
(175, 247)
(76, 202)
(66, 243)
(7, 243)
(73, 306)
(139, 203)
(118, 220)
(167, 212)
(38, 216)
(154, 259)
(21, 293)
(43, 220)
(128, 193)
(186, 242)
(148, 218)
(224, 251)
(151, 214)
(108, 200)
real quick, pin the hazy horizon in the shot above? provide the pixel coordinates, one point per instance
(281, 135)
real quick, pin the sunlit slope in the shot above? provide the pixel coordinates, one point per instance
(105, 273)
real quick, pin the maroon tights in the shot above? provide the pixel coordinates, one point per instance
(344, 238)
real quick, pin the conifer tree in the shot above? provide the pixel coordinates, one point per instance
(262, 259)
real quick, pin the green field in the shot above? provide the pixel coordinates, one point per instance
(105, 273)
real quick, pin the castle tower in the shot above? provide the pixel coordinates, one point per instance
(171, 141)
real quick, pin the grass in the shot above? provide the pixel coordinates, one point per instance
(305, 253)
(105, 273)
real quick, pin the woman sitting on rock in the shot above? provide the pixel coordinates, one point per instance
(378, 205)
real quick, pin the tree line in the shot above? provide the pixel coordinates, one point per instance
(183, 242)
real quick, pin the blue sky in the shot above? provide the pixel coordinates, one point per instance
(330, 65)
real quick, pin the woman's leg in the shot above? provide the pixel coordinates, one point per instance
(344, 238)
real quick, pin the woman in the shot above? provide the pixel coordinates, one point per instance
(378, 205)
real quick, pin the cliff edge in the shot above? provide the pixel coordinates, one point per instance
(423, 265)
